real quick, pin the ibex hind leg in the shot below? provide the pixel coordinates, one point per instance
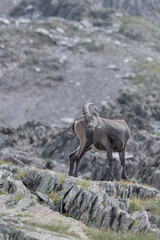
(123, 163)
(82, 150)
(111, 161)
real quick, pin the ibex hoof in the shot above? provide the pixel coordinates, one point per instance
(70, 174)
(126, 179)
(75, 175)
(111, 178)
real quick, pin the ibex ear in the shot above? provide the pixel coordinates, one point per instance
(97, 112)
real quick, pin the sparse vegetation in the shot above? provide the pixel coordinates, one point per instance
(139, 79)
(84, 183)
(145, 69)
(124, 183)
(20, 174)
(5, 162)
(2, 192)
(56, 197)
(18, 197)
(58, 227)
(134, 206)
(95, 234)
(149, 67)
(151, 205)
(61, 178)
(139, 29)
(22, 215)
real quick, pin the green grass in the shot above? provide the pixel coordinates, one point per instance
(148, 67)
(124, 183)
(56, 197)
(18, 197)
(139, 29)
(135, 21)
(2, 192)
(58, 227)
(158, 134)
(86, 45)
(145, 70)
(2, 162)
(44, 159)
(95, 234)
(139, 79)
(61, 178)
(22, 215)
(151, 205)
(20, 174)
(84, 183)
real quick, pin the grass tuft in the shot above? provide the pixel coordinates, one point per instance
(20, 175)
(59, 227)
(18, 197)
(2, 162)
(96, 234)
(84, 183)
(150, 205)
(56, 197)
(2, 192)
(61, 179)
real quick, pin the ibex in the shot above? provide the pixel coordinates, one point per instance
(102, 135)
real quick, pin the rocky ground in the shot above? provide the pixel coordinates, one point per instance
(29, 198)
(56, 56)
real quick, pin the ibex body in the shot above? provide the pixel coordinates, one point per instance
(102, 135)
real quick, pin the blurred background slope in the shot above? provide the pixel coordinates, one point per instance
(57, 55)
(87, 51)
(7, 5)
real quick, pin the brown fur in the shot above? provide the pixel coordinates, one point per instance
(102, 135)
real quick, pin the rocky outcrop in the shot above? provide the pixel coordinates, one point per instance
(98, 204)
(60, 58)
(75, 10)
(149, 10)
(67, 9)
(23, 217)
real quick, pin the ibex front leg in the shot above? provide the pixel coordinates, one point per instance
(72, 158)
(83, 149)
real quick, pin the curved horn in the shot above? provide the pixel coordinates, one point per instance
(87, 114)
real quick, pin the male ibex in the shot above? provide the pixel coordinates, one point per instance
(102, 135)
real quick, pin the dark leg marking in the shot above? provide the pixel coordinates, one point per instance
(123, 163)
(82, 150)
(72, 158)
(111, 162)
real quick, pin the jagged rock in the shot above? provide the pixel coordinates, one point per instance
(95, 202)
(98, 204)
(29, 220)
(5, 21)
(56, 66)
(9, 185)
(143, 222)
(42, 196)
